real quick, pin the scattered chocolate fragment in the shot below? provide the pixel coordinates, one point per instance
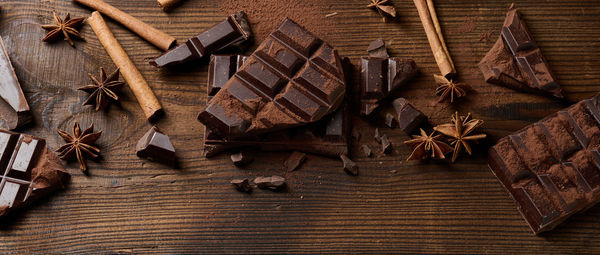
(390, 121)
(14, 108)
(29, 170)
(232, 32)
(515, 60)
(66, 28)
(550, 168)
(350, 167)
(242, 185)
(377, 135)
(241, 158)
(377, 49)
(386, 145)
(156, 146)
(274, 182)
(80, 145)
(409, 117)
(366, 150)
(294, 161)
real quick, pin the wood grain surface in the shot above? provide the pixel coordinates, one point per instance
(129, 205)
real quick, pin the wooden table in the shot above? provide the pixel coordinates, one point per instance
(129, 205)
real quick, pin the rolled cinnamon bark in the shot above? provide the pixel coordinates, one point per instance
(160, 39)
(167, 4)
(435, 38)
(144, 95)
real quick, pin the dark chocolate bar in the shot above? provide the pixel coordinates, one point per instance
(156, 146)
(220, 69)
(14, 108)
(232, 32)
(516, 62)
(552, 168)
(292, 79)
(29, 170)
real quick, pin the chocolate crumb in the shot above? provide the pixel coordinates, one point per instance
(350, 166)
(386, 145)
(377, 135)
(242, 185)
(294, 161)
(366, 150)
(274, 182)
(390, 121)
(241, 159)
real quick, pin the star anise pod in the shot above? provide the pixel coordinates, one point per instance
(383, 6)
(425, 146)
(449, 88)
(80, 145)
(101, 92)
(66, 28)
(460, 131)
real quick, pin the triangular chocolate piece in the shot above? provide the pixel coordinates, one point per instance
(14, 108)
(156, 146)
(28, 170)
(516, 62)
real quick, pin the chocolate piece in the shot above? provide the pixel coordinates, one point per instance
(366, 150)
(377, 49)
(350, 167)
(292, 79)
(156, 146)
(552, 168)
(232, 32)
(241, 159)
(516, 62)
(294, 161)
(29, 170)
(273, 183)
(242, 185)
(220, 69)
(386, 145)
(390, 121)
(409, 117)
(377, 135)
(14, 108)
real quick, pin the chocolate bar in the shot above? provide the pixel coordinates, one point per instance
(233, 32)
(29, 170)
(327, 137)
(156, 146)
(292, 79)
(517, 62)
(14, 108)
(552, 168)
(409, 117)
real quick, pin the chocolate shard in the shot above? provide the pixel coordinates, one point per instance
(292, 79)
(294, 161)
(156, 146)
(386, 145)
(233, 32)
(515, 60)
(242, 185)
(366, 150)
(390, 121)
(551, 168)
(29, 170)
(409, 117)
(274, 182)
(377, 49)
(13, 108)
(241, 158)
(350, 167)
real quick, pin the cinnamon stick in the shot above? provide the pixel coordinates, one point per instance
(434, 36)
(144, 95)
(160, 39)
(167, 4)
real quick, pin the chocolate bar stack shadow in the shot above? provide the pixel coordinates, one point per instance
(289, 95)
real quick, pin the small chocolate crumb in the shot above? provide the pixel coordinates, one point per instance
(350, 166)
(390, 121)
(377, 49)
(377, 135)
(241, 159)
(274, 182)
(366, 150)
(356, 134)
(386, 145)
(242, 185)
(294, 161)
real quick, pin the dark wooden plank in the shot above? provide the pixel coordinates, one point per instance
(131, 205)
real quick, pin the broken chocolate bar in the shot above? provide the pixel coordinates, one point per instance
(516, 62)
(232, 32)
(156, 146)
(292, 79)
(409, 117)
(274, 182)
(220, 69)
(29, 170)
(13, 108)
(552, 168)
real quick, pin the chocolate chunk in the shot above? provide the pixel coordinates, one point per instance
(377, 135)
(13, 108)
(349, 166)
(292, 79)
(29, 170)
(274, 182)
(156, 146)
(551, 168)
(409, 117)
(377, 49)
(242, 185)
(390, 121)
(366, 150)
(515, 61)
(294, 161)
(386, 145)
(232, 32)
(241, 158)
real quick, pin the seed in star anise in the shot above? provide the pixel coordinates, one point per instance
(80, 145)
(383, 6)
(449, 88)
(103, 90)
(66, 28)
(425, 146)
(459, 132)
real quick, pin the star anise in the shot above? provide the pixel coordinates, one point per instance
(425, 146)
(383, 6)
(79, 145)
(66, 28)
(449, 88)
(460, 131)
(101, 92)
